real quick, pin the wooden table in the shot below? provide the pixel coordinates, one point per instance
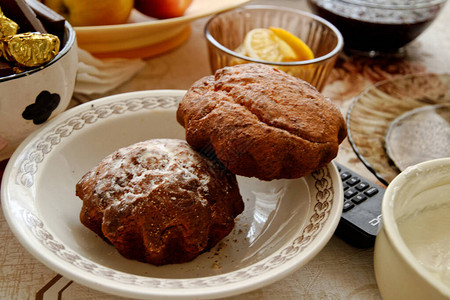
(339, 271)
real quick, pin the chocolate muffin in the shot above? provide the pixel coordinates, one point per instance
(159, 201)
(261, 122)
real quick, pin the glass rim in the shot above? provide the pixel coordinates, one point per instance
(401, 6)
(336, 50)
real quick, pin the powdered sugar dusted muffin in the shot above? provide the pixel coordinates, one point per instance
(159, 201)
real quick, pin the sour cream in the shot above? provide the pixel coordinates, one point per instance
(427, 233)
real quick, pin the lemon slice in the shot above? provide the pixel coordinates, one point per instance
(301, 49)
(263, 44)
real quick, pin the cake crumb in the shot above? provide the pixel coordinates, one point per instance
(216, 265)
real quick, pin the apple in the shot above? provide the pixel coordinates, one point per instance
(92, 13)
(162, 9)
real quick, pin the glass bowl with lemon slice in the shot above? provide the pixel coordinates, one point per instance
(296, 42)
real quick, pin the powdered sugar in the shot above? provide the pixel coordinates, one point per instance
(136, 171)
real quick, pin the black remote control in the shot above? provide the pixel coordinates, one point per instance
(361, 216)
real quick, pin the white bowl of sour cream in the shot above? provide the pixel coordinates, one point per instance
(412, 249)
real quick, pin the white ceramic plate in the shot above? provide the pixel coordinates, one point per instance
(148, 35)
(284, 225)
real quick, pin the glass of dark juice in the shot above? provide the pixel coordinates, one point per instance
(378, 27)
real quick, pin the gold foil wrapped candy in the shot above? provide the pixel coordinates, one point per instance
(30, 49)
(7, 26)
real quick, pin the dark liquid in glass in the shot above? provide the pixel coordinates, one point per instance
(373, 29)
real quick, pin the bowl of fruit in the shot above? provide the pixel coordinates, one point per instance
(38, 68)
(140, 28)
(294, 41)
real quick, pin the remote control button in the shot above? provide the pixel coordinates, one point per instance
(350, 193)
(352, 181)
(371, 192)
(362, 186)
(348, 205)
(345, 176)
(346, 187)
(359, 199)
